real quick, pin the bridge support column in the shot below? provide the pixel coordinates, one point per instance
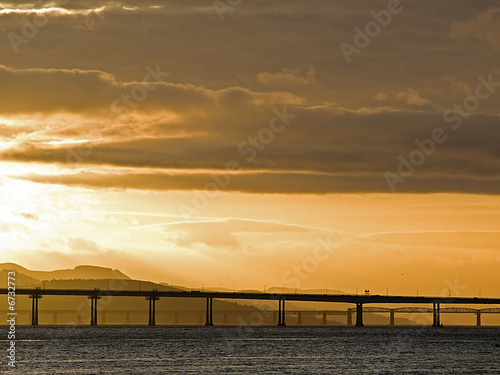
(324, 319)
(359, 315)
(96, 298)
(152, 309)
(392, 317)
(349, 317)
(436, 318)
(209, 317)
(281, 313)
(478, 318)
(93, 309)
(34, 308)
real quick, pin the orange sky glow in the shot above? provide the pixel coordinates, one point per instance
(264, 145)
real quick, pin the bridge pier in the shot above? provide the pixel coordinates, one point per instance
(349, 317)
(324, 319)
(478, 318)
(34, 308)
(152, 309)
(209, 317)
(436, 318)
(281, 313)
(93, 309)
(392, 317)
(359, 315)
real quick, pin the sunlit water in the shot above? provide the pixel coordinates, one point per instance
(257, 350)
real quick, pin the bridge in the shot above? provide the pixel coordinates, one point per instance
(359, 300)
(226, 314)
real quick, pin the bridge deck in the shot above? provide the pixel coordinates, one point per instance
(260, 296)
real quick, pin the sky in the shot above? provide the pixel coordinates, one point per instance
(249, 144)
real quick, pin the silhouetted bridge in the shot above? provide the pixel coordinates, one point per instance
(349, 313)
(359, 300)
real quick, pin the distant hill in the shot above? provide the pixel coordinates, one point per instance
(21, 280)
(79, 272)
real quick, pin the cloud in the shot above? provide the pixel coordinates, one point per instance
(29, 216)
(412, 97)
(408, 96)
(94, 92)
(484, 27)
(288, 78)
(79, 245)
(353, 152)
(445, 239)
(224, 234)
(275, 183)
(352, 121)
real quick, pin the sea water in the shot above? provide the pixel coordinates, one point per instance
(255, 350)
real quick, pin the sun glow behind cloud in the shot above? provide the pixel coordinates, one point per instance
(102, 152)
